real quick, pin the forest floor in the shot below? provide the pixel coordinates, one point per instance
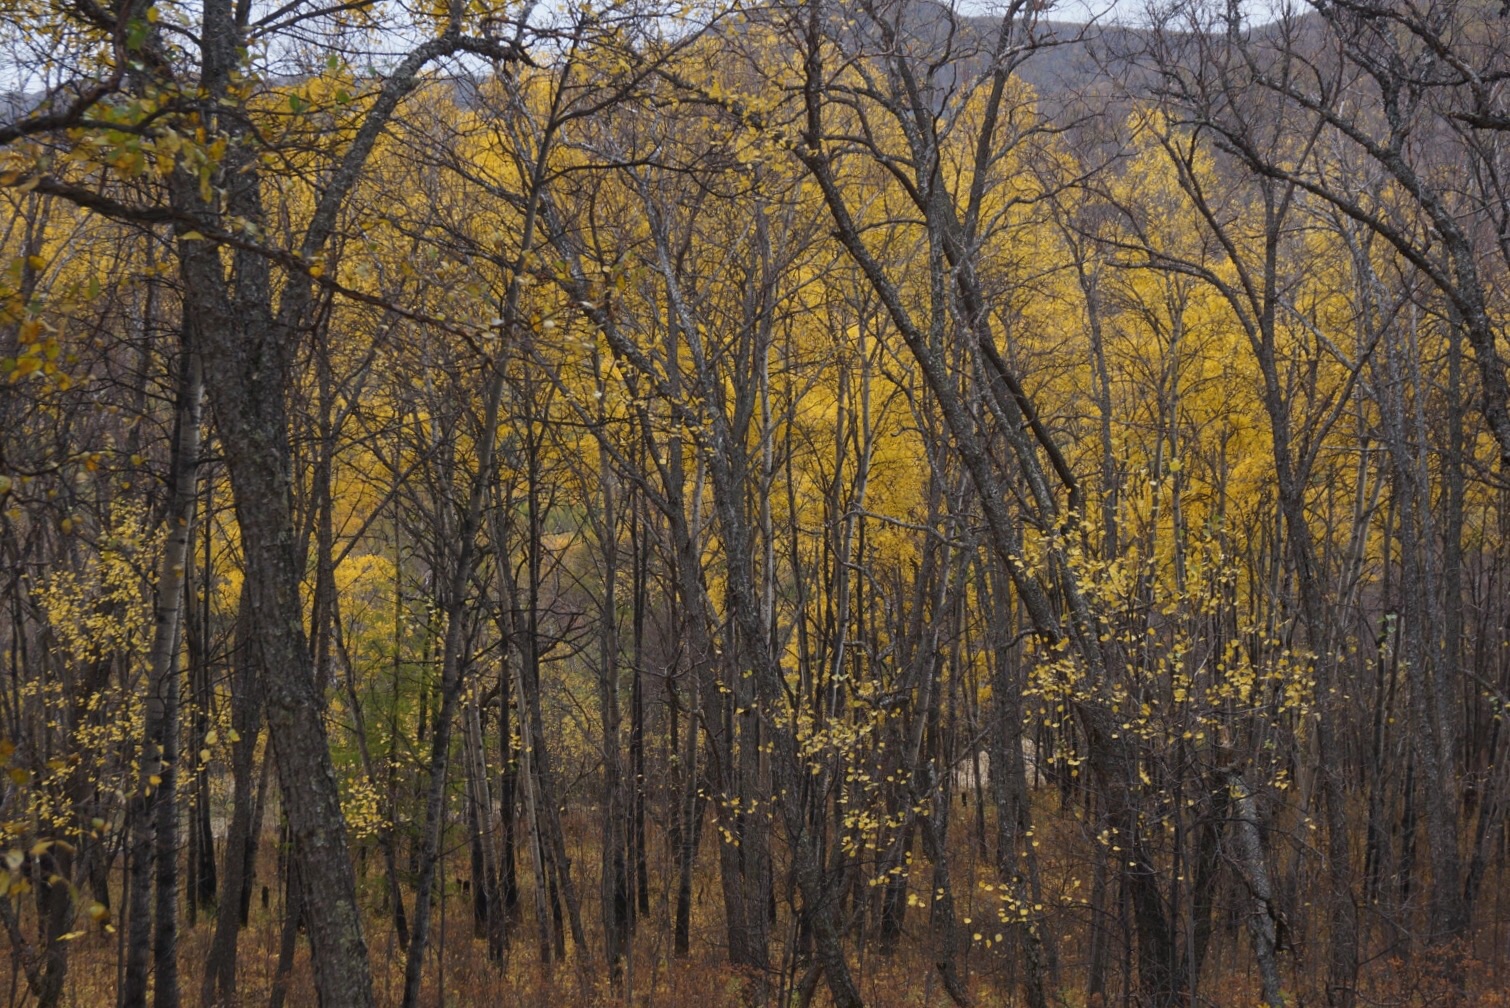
(459, 965)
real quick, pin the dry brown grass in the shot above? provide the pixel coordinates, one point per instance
(459, 974)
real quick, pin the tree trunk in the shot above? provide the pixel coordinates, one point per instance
(218, 985)
(154, 813)
(1263, 917)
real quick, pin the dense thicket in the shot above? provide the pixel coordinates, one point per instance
(758, 504)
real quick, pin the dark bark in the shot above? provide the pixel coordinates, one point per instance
(153, 930)
(218, 983)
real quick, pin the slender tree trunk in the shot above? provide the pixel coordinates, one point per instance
(686, 819)
(165, 993)
(218, 984)
(154, 813)
(202, 880)
(489, 914)
(508, 798)
(288, 941)
(639, 576)
(614, 895)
